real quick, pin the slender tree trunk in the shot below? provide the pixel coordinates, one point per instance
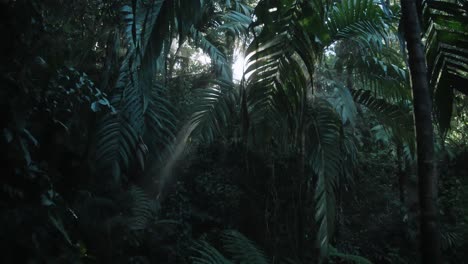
(427, 175)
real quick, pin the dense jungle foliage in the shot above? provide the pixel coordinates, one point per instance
(234, 131)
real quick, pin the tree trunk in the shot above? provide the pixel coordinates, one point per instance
(427, 176)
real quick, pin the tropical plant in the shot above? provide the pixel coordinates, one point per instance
(243, 250)
(126, 136)
(444, 25)
(239, 247)
(281, 92)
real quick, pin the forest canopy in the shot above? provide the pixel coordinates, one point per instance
(234, 131)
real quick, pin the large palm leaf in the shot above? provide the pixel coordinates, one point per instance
(282, 61)
(213, 110)
(239, 248)
(325, 161)
(215, 105)
(383, 72)
(137, 95)
(446, 30)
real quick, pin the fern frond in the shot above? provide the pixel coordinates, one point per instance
(450, 239)
(142, 209)
(349, 257)
(239, 247)
(208, 254)
(242, 249)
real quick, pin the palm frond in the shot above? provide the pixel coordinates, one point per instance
(349, 152)
(382, 73)
(208, 254)
(325, 161)
(160, 120)
(343, 101)
(392, 116)
(136, 97)
(280, 68)
(282, 60)
(240, 6)
(360, 21)
(218, 58)
(450, 239)
(237, 246)
(349, 257)
(142, 209)
(213, 108)
(236, 23)
(446, 26)
(242, 249)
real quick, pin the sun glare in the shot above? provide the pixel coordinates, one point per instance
(201, 58)
(239, 66)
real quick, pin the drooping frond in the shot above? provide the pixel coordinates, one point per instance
(325, 161)
(282, 61)
(298, 36)
(349, 257)
(239, 6)
(218, 58)
(383, 73)
(349, 151)
(136, 97)
(280, 68)
(392, 116)
(242, 249)
(160, 120)
(450, 239)
(239, 248)
(213, 109)
(446, 26)
(264, 69)
(343, 102)
(360, 21)
(207, 254)
(142, 208)
(118, 133)
(236, 23)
